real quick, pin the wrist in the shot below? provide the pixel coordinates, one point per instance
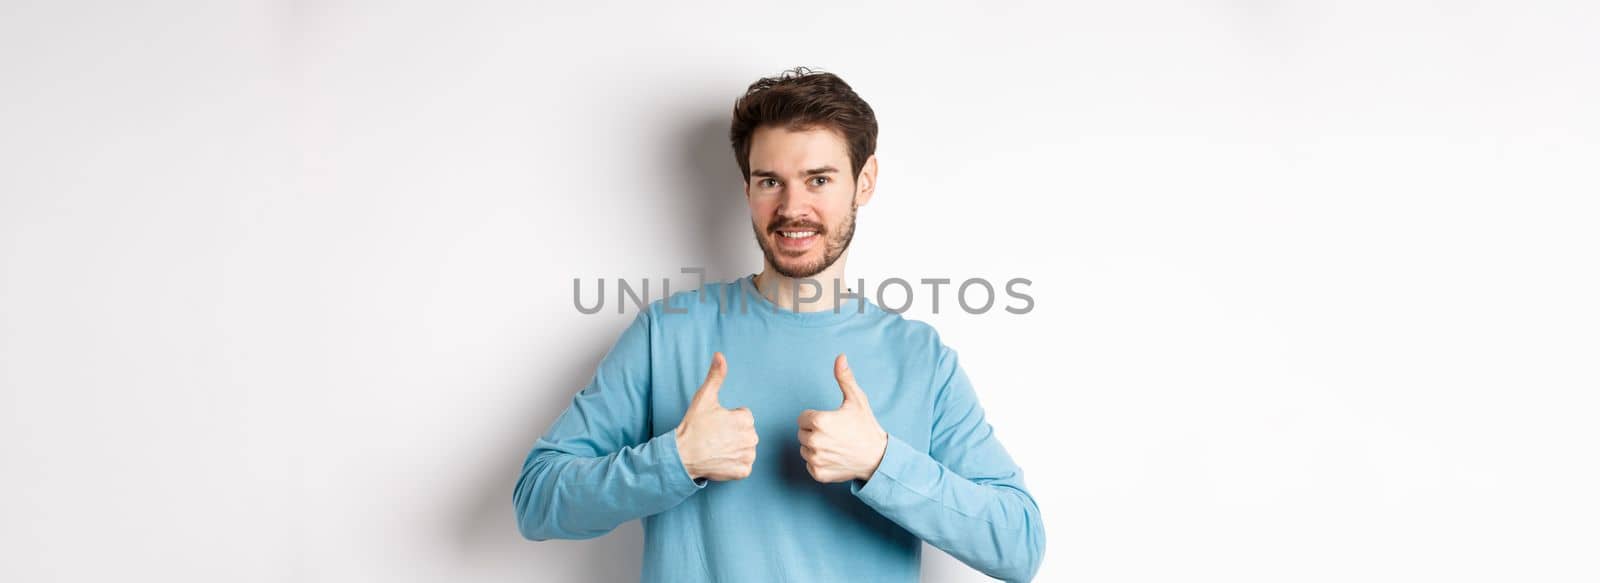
(882, 447)
(683, 456)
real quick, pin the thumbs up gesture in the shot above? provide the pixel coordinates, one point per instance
(716, 443)
(845, 444)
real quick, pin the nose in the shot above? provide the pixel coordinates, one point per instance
(788, 207)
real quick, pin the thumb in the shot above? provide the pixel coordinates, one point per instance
(707, 395)
(853, 394)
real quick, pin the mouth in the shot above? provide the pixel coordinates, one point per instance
(797, 240)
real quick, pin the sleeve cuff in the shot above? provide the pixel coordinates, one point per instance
(896, 455)
(669, 463)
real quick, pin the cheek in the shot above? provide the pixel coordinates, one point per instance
(761, 210)
(836, 218)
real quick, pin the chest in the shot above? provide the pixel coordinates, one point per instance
(779, 381)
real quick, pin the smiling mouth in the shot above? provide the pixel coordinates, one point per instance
(796, 241)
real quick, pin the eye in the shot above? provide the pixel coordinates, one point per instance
(823, 179)
(768, 182)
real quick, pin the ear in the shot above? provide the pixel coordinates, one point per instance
(867, 183)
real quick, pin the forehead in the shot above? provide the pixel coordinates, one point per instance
(785, 151)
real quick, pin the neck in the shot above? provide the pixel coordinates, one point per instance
(799, 294)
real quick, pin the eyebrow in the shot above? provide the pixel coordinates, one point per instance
(811, 172)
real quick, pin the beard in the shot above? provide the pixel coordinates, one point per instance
(835, 242)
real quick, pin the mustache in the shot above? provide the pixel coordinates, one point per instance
(805, 225)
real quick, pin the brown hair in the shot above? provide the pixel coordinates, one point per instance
(801, 99)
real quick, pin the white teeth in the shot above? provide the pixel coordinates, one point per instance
(797, 234)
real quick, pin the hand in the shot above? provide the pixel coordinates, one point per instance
(846, 444)
(716, 443)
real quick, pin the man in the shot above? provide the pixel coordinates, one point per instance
(767, 432)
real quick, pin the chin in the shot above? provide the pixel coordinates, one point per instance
(798, 268)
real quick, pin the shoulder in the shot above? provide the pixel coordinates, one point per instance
(915, 337)
(687, 307)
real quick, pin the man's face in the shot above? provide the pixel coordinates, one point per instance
(802, 198)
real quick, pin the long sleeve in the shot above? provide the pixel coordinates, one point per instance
(965, 495)
(599, 466)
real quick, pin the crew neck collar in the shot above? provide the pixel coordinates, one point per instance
(847, 308)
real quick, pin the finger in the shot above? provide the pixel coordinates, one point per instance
(847, 383)
(719, 369)
(712, 387)
(807, 420)
(744, 415)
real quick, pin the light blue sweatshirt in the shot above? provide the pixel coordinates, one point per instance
(945, 479)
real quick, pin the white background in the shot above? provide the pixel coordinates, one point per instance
(286, 286)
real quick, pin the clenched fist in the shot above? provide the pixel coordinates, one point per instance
(716, 443)
(846, 444)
